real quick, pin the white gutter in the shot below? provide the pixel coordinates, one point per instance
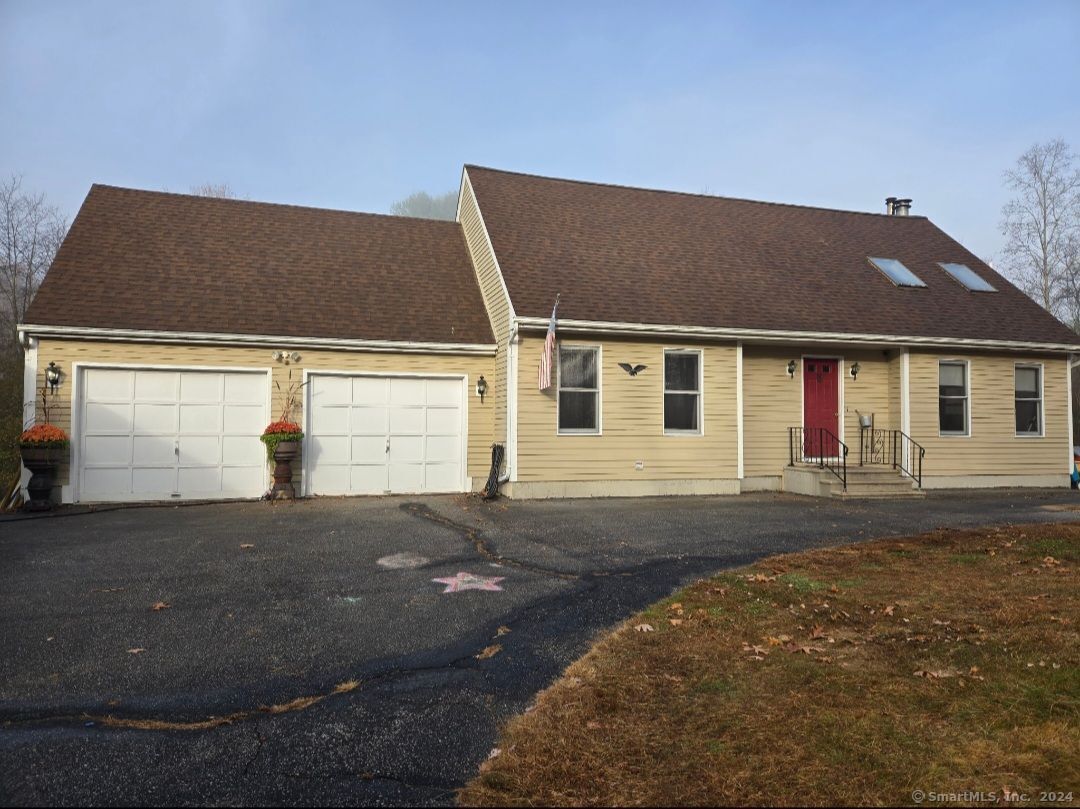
(766, 335)
(148, 336)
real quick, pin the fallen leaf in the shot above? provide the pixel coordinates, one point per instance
(644, 628)
(817, 632)
(246, 545)
(494, 753)
(502, 630)
(675, 606)
(757, 650)
(1050, 561)
(593, 725)
(760, 577)
(675, 621)
(136, 651)
(489, 651)
(889, 609)
(158, 606)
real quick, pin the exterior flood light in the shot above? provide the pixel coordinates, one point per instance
(791, 366)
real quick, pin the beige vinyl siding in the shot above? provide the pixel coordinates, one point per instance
(65, 353)
(772, 401)
(632, 419)
(495, 300)
(992, 448)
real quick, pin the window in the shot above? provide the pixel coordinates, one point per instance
(966, 276)
(579, 389)
(897, 272)
(1029, 400)
(953, 398)
(682, 391)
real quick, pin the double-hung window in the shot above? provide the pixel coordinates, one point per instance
(579, 389)
(953, 400)
(1028, 400)
(682, 392)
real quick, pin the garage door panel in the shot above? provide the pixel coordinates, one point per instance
(200, 479)
(147, 480)
(407, 420)
(245, 389)
(244, 450)
(331, 390)
(107, 417)
(366, 479)
(369, 420)
(241, 418)
(330, 479)
(331, 420)
(238, 481)
(109, 386)
(200, 418)
(407, 391)
(155, 418)
(153, 450)
(443, 448)
(195, 387)
(443, 422)
(406, 448)
(103, 482)
(156, 386)
(200, 450)
(332, 449)
(406, 477)
(109, 450)
(368, 449)
(444, 393)
(370, 390)
(442, 477)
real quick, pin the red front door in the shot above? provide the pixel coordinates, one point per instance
(821, 407)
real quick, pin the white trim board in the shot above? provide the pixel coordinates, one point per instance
(768, 335)
(204, 338)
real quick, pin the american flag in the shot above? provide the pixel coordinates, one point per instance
(549, 350)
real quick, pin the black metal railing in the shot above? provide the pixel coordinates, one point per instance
(819, 446)
(893, 448)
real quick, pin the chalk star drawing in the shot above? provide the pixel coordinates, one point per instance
(470, 581)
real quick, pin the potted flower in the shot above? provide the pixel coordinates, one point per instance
(43, 447)
(282, 439)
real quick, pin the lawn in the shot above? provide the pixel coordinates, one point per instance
(856, 675)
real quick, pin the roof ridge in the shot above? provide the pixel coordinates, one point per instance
(690, 193)
(291, 206)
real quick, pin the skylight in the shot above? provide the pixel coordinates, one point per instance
(966, 276)
(897, 272)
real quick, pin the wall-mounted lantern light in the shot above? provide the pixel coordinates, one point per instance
(52, 377)
(791, 366)
(854, 370)
(481, 388)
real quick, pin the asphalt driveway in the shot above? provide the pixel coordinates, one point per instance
(270, 604)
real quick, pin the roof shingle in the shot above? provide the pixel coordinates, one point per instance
(157, 261)
(631, 255)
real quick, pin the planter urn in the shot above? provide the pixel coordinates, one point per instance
(42, 463)
(284, 453)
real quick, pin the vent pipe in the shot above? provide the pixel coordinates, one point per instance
(895, 206)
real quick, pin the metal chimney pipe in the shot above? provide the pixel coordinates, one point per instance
(902, 207)
(890, 202)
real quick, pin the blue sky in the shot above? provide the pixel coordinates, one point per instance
(355, 105)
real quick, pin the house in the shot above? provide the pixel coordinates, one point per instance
(705, 345)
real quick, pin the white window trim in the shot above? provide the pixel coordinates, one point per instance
(1038, 366)
(700, 431)
(967, 396)
(599, 349)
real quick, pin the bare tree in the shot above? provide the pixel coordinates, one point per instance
(424, 206)
(219, 190)
(30, 234)
(1041, 225)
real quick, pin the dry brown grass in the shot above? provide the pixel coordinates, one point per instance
(846, 676)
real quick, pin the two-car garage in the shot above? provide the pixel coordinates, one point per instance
(159, 434)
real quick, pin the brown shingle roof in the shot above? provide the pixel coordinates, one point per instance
(170, 262)
(634, 255)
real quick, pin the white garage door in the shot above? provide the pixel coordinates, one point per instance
(153, 435)
(374, 435)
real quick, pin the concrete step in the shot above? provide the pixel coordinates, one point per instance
(896, 487)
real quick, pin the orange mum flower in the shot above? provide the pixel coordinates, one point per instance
(43, 435)
(283, 427)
